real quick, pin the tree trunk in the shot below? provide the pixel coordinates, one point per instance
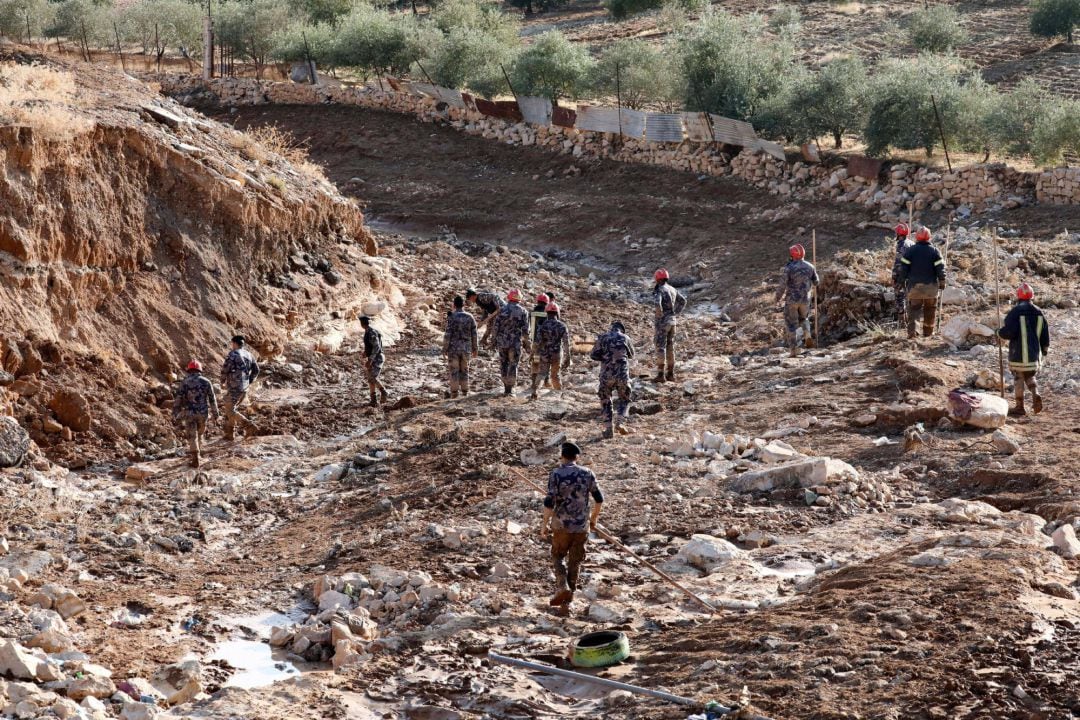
(838, 139)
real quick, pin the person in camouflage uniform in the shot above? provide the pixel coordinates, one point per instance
(193, 403)
(459, 344)
(490, 304)
(511, 330)
(237, 374)
(614, 351)
(537, 318)
(567, 518)
(796, 282)
(373, 360)
(669, 303)
(899, 286)
(552, 346)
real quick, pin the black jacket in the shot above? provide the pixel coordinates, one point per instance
(922, 263)
(1028, 335)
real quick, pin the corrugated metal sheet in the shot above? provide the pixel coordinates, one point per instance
(771, 148)
(733, 132)
(535, 110)
(426, 89)
(697, 127)
(664, 127)
(633, 123)
(451, 97)
(597, 119)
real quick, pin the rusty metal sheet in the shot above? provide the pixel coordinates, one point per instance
(733, 132)
(502, 109)
(394, 83)
(664, 127)
(864, 167)
(697, 127)
(535, 110)
(563, 117)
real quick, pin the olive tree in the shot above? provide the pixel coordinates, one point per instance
(640, 73)
(1056, 132)
(936, 29)
(25, 19)
(552, 67)
(247, 28)
(1055, 18)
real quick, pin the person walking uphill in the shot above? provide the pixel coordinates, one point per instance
(459, 344)
(1029, 338)
(536, 319)
(669, 303)
(511, 330)
(373, 360)
(796, 283)
(922, 270)
(567, 519)
(899, 288)
(237, 374)
(192, 405)
(553, 349)
(614, 351)
(490, 304)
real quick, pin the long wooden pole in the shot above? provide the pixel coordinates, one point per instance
(817, 316)
(602, 532)
(997, 308)
(941, 294)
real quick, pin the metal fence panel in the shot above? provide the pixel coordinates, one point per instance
(733, 132)
(770, 148)
(449, 96)
(535, 110)
(664, 127)
(697, 127)
(597, 119)
(425, 89)
(633, 123)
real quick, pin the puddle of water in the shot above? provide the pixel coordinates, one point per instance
(256, 663)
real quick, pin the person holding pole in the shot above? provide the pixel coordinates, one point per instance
(1026, 330)
(796, 282)
(567, 519)
(899, 287)
(922, 270)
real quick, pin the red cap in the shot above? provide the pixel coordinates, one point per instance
(923, 235)
(797, 252)
(552, 308)
(1024, 292)
(902, 230)
(194, 365)
(542, 298)
(513, 295)
(661, 274)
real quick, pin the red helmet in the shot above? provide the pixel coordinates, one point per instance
(194, 365)
(513, 295)
(1024, 292)
(923, 235)
(552, 308)
(542, 298)
(661, 274)
(902, 230)
(797, 252)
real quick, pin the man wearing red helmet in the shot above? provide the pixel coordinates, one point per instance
(1029, 338)
(922, 270)
(899, 288)
(669, 304)
(553, 349)
(797, 281)
(193, 402)
(511, 330)
(536, 319)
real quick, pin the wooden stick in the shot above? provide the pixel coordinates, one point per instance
(941, 294)
(817, 316)
(997, 308)
(602, 532)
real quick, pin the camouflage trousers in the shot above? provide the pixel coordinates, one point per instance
(508, 365)
(567, 554)
(796, 316)
(1024, 378)
(458, 364)
(900, 291)
(614, 384)
(664, 340)
(232, 401)
(548, 367)
(195, 428)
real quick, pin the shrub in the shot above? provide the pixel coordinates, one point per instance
(299, 41)
(1055, 18)
(377, 41)
(482, 16)
(466, 58)
(41, 98)
(1014, 118)
(160, 24)
(17, 15)
(326, 11)
(248, 28)
(729, 68)
(831, 102)
(786, 21)
(1056, 132)
(531, 6)
(81, 21)
(639, 72)
(552, 67)
(936, 29)
(622, 9)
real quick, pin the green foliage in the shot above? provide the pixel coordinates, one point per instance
(830, 102)
(1056, 132)
(901, 109)
(326, 11)
(552, 67)
(730, 68)
(15, 15)
(289, 43)
(1055, 18)
(531, 6)
(641, 73)
(374, 40)
(157, 25)
(622, 9)
(1013, 119)
(479, 16)
(936, 29)
(82, 20)
(247, 28)
(786, 21)
(466, 58)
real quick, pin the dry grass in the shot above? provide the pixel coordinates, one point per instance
(41, 98)
(257, 143)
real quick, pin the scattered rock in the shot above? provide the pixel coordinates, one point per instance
(72, 409)
(14, 442)
(91, 686)
(1004, 442)
(1066, 542)
(179, 682)
(706, 552)
(139, 473)
(17, 662)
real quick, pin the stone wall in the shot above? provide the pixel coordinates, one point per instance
(976, 188)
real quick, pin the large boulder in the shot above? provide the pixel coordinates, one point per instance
(982, 410)
(14, 442)
(72, 409)
(179, 682)
(18, 662)
(706, 552)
